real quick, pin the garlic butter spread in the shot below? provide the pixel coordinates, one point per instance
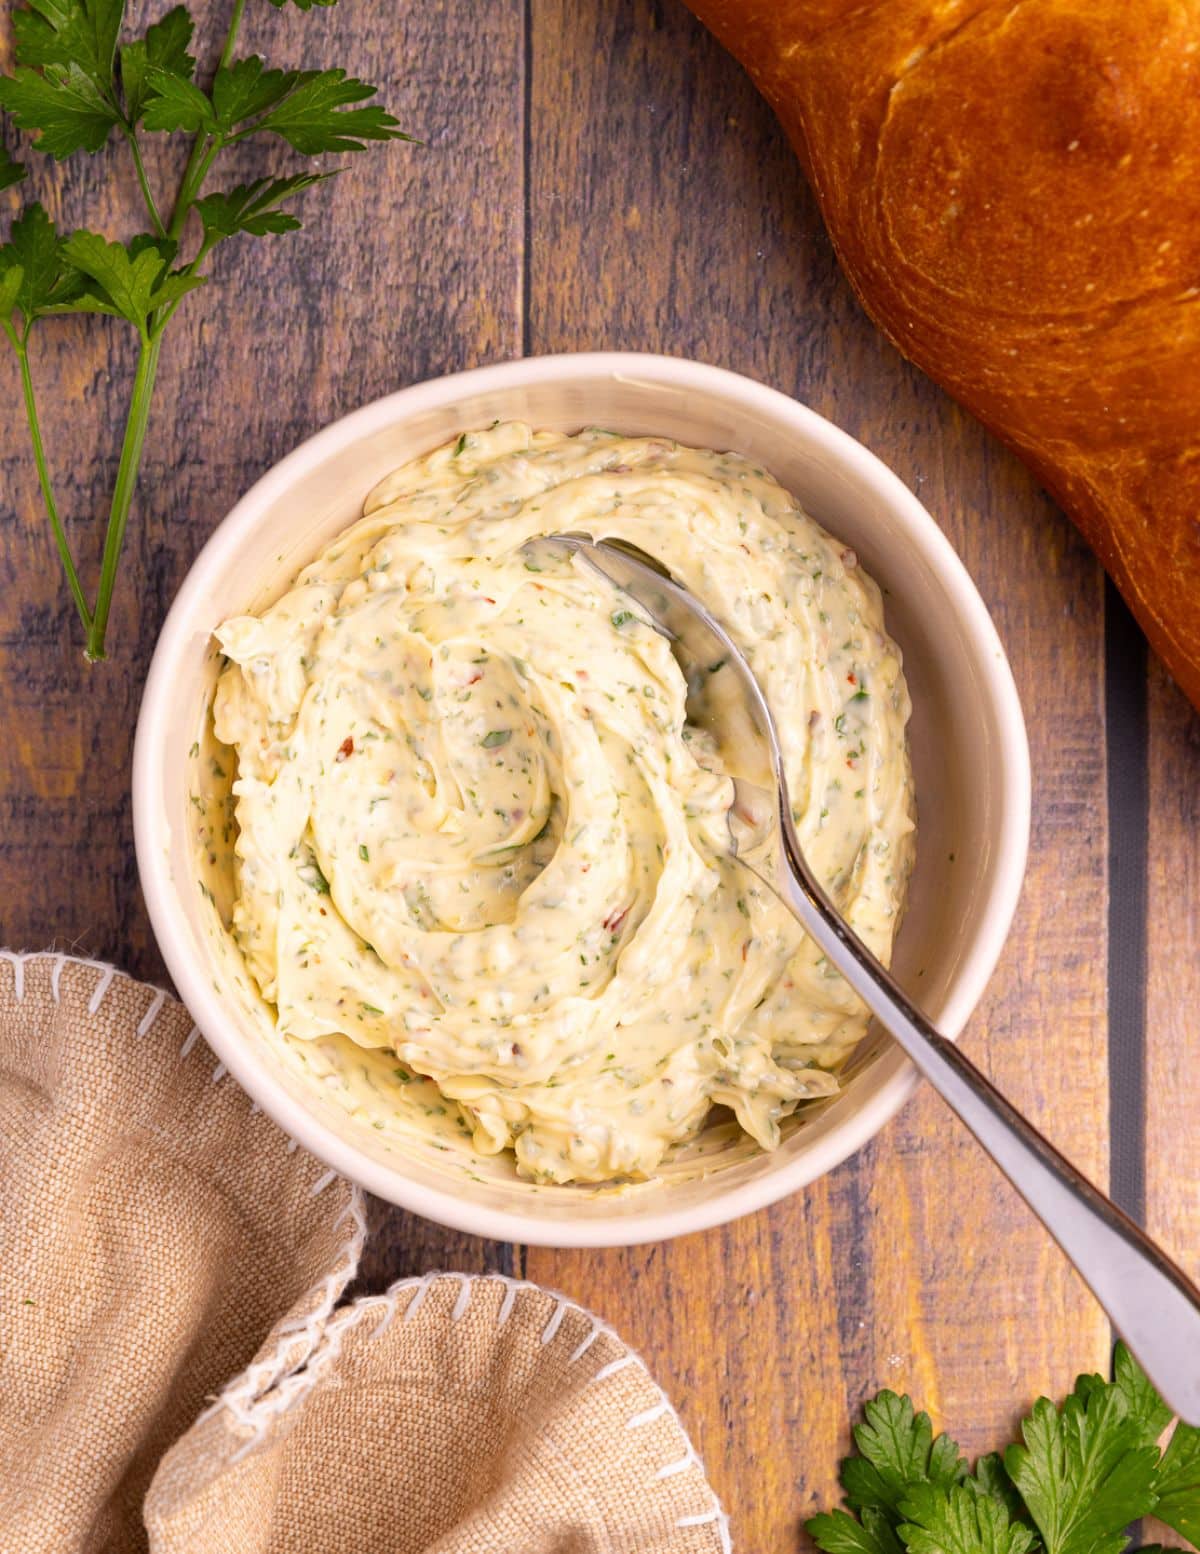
(475, 830)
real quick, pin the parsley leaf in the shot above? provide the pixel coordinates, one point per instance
(991, 1479)
(10, 288)
(253, 207)
(62, 86)
(62, 105)
(127, 281)
(175, 103)
(244, 88)
(1145, 1406)
(954, 1520)
(65, 33)
(11, 171)
(1083, 1471)
(315, 116)
(1079, 1476)
(164, 48)
(1178, 1484)
(897, 1450)
(34, 251)
(838, 1533)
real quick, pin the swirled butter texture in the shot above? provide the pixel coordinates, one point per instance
(476, 829)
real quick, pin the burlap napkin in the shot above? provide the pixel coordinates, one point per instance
(154, 1226)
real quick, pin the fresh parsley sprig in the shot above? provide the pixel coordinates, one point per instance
(76, 83)
(1072, 1485)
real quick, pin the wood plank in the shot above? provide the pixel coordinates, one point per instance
(410, 267)
(1173, 991)
(1173, 985)
(667, 214)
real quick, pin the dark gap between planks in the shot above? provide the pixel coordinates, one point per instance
(1127, 746)
(527, 176)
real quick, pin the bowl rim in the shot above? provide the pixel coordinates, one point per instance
(457, 1210)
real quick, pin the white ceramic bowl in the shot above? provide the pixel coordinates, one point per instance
(968, 741)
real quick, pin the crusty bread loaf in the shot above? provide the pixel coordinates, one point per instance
(1014, 191)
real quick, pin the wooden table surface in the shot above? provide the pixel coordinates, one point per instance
(597, 173)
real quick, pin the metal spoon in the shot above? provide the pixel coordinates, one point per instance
(1151, 1302)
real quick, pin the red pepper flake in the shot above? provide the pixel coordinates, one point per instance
(852, 678)
(487, 599)
(612, 923)
(346, 748)
(476, 677)
(745, 949)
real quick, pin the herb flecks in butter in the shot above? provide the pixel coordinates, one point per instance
(475, 831)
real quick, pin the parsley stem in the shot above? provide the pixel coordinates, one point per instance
(235, 22)
(39, 457)
(204, 148)
(144, 182)
(164, 316)
(127, 474)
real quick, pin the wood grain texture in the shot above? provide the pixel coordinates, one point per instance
(1172, 1081)
(668, 214)
(1173, 982)
(598, 173)
(409, 267)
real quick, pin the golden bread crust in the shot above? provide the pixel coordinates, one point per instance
(1014, 192)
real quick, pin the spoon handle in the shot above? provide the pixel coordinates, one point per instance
(1152, 1303)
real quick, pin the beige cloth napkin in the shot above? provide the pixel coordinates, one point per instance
(154, 1226)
